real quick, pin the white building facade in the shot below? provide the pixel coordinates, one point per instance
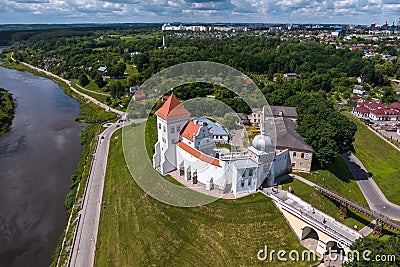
(187, 145)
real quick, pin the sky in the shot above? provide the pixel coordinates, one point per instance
(205, 11)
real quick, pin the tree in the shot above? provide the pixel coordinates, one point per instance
(116, 90)
(389, 95)
(83, 79)
(371, 248)
(323, 127)
(99, 81)
(7, 107)
(118, 70)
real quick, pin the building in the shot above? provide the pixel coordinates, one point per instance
(139, 95)
(301, 153)
(220, 133)
(288, 76)
(243, 119)
(360, 79)
(186, 145)
(358, 89)
(102, 70)
(133, 89)
(377, 111)
(276, 111)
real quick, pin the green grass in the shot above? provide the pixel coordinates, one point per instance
(380, 159)
(137, 230)
(338, 178)
(101, 98)
(93, 87)
(330, 207)
(324, 204)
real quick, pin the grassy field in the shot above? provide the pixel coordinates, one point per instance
(330, 207)
(324, 204)
(380, 159)
(338, 178)
(137, 230)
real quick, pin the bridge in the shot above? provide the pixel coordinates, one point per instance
(316, 230)
(345, 203)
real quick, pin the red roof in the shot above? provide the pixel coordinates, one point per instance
(395, 105)
(190, 130)
(172, 108)
(362, 109)
(198, 154)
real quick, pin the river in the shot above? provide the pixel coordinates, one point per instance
(37, 157)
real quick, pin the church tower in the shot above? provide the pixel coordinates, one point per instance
(171, 118)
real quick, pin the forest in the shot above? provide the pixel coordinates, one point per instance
(325, 74)
(7, 107)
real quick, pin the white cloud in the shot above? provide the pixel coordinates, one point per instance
(319, 11)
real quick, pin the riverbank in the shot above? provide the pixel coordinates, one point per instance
(92, 115)
(7, 110)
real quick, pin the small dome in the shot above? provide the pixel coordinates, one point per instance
(263, 143)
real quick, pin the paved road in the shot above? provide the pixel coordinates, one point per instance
(372, 193)
(84, 248)
(91, 99)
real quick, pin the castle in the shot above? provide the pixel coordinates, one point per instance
(187, 144)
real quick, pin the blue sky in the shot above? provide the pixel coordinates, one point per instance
(187, 11)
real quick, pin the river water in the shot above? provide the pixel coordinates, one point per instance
(37, 158)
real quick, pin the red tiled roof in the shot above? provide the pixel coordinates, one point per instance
(172, 108)
(198, 154)
(362, 109)
(190, 130)
(395, 105)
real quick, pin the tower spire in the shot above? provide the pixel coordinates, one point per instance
(262, 122)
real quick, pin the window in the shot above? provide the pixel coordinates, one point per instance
(244, 173)
(265, 168)
(293, 164)
(172, 129)
(163, 139)
(178, 129)
(302, 155)
(294, 154)
(250, 172)
(242, 183)
(164, 129)
(159, 126)
(249, 182)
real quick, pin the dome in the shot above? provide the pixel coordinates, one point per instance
(263, 143)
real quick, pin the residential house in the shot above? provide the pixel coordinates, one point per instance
(358, 89)
(102, 70)
(288, 76)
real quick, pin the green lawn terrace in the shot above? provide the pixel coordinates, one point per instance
(137, 230)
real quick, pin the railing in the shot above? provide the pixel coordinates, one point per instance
(235, 155)
(313, 222)
(85, 191)
(372, 214)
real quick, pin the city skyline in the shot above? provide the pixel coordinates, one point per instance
(204, 11)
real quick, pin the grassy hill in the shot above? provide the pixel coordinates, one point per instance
(137, 230)
(380, 159)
